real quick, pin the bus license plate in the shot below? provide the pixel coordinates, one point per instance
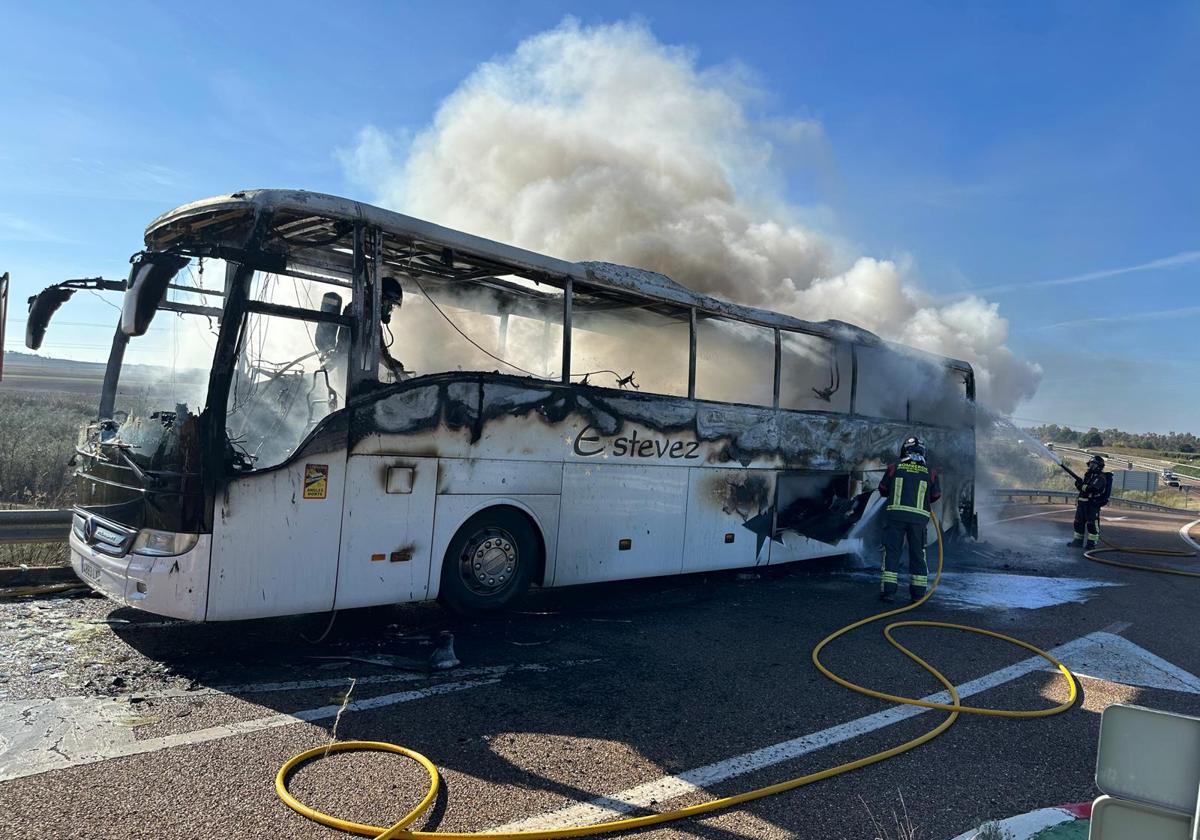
(91, 570)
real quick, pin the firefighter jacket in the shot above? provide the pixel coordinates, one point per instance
(910, 487)
(1095, 487)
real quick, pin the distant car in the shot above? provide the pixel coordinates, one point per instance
(1050, 446)
(1130, 463)
(1172, 482)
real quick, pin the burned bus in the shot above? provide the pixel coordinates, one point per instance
(340, 406)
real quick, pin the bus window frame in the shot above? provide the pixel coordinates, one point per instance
(238, 307)
(853, 343)
(364, 283)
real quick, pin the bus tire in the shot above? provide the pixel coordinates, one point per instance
(491, 561)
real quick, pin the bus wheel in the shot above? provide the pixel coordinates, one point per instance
(490, 562)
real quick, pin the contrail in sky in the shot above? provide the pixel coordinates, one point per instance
(1179, 312)
(1174, 261)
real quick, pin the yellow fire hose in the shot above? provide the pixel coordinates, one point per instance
(1109, 548)
(399, 829)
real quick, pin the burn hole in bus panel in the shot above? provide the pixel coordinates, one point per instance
(822, 506)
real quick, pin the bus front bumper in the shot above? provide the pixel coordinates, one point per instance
(170, 586)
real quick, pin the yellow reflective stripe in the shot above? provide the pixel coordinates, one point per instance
(920, 580)
(908, 509)
(921, 494)
(897, 491)
(891, 577)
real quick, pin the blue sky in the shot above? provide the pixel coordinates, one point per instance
(995, 146)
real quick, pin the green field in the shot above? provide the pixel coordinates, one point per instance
(38, 431)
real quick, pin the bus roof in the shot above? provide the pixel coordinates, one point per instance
(198, 221)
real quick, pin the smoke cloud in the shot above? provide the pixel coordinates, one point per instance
(602, 143)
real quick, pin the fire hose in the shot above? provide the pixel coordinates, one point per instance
(1109, 548)
(399, 829)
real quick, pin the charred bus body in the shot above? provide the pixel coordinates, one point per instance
(381, 410)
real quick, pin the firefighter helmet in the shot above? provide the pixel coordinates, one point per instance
(1096, 463)
(391, 291)
(912, 446)
(392, 297)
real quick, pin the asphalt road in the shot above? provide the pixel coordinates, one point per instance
(114, 724)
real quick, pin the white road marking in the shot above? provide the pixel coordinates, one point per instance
(1026, 825)
(1183, 532)
(39, 735)
(1115, 659)
(669, 787)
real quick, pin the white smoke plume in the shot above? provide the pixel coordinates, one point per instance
(602, 143)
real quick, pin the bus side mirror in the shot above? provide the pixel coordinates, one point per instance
(325, 336)
(147, 286)
(42, 307)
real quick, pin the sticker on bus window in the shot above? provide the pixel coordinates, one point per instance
(316, 481)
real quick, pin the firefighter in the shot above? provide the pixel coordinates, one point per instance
(392, 298)
(910, 487)
(1094, 489)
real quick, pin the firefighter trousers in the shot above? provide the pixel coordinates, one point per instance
(895, 533)
(1087, 523)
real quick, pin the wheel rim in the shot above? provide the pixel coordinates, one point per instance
(489, 561)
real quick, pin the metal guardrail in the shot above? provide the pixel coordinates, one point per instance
(1069, 496)
(32, 526)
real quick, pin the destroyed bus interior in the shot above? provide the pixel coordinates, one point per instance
(260, 326)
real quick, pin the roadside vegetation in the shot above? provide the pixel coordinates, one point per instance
(1182, 449)
(1008, 465)
(1172, 445)
(38, 432)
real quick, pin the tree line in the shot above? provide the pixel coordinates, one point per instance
(1170, 442)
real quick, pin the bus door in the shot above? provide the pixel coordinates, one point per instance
(275, 540)
(387, 530)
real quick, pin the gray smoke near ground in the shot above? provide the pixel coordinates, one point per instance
(603, 143)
